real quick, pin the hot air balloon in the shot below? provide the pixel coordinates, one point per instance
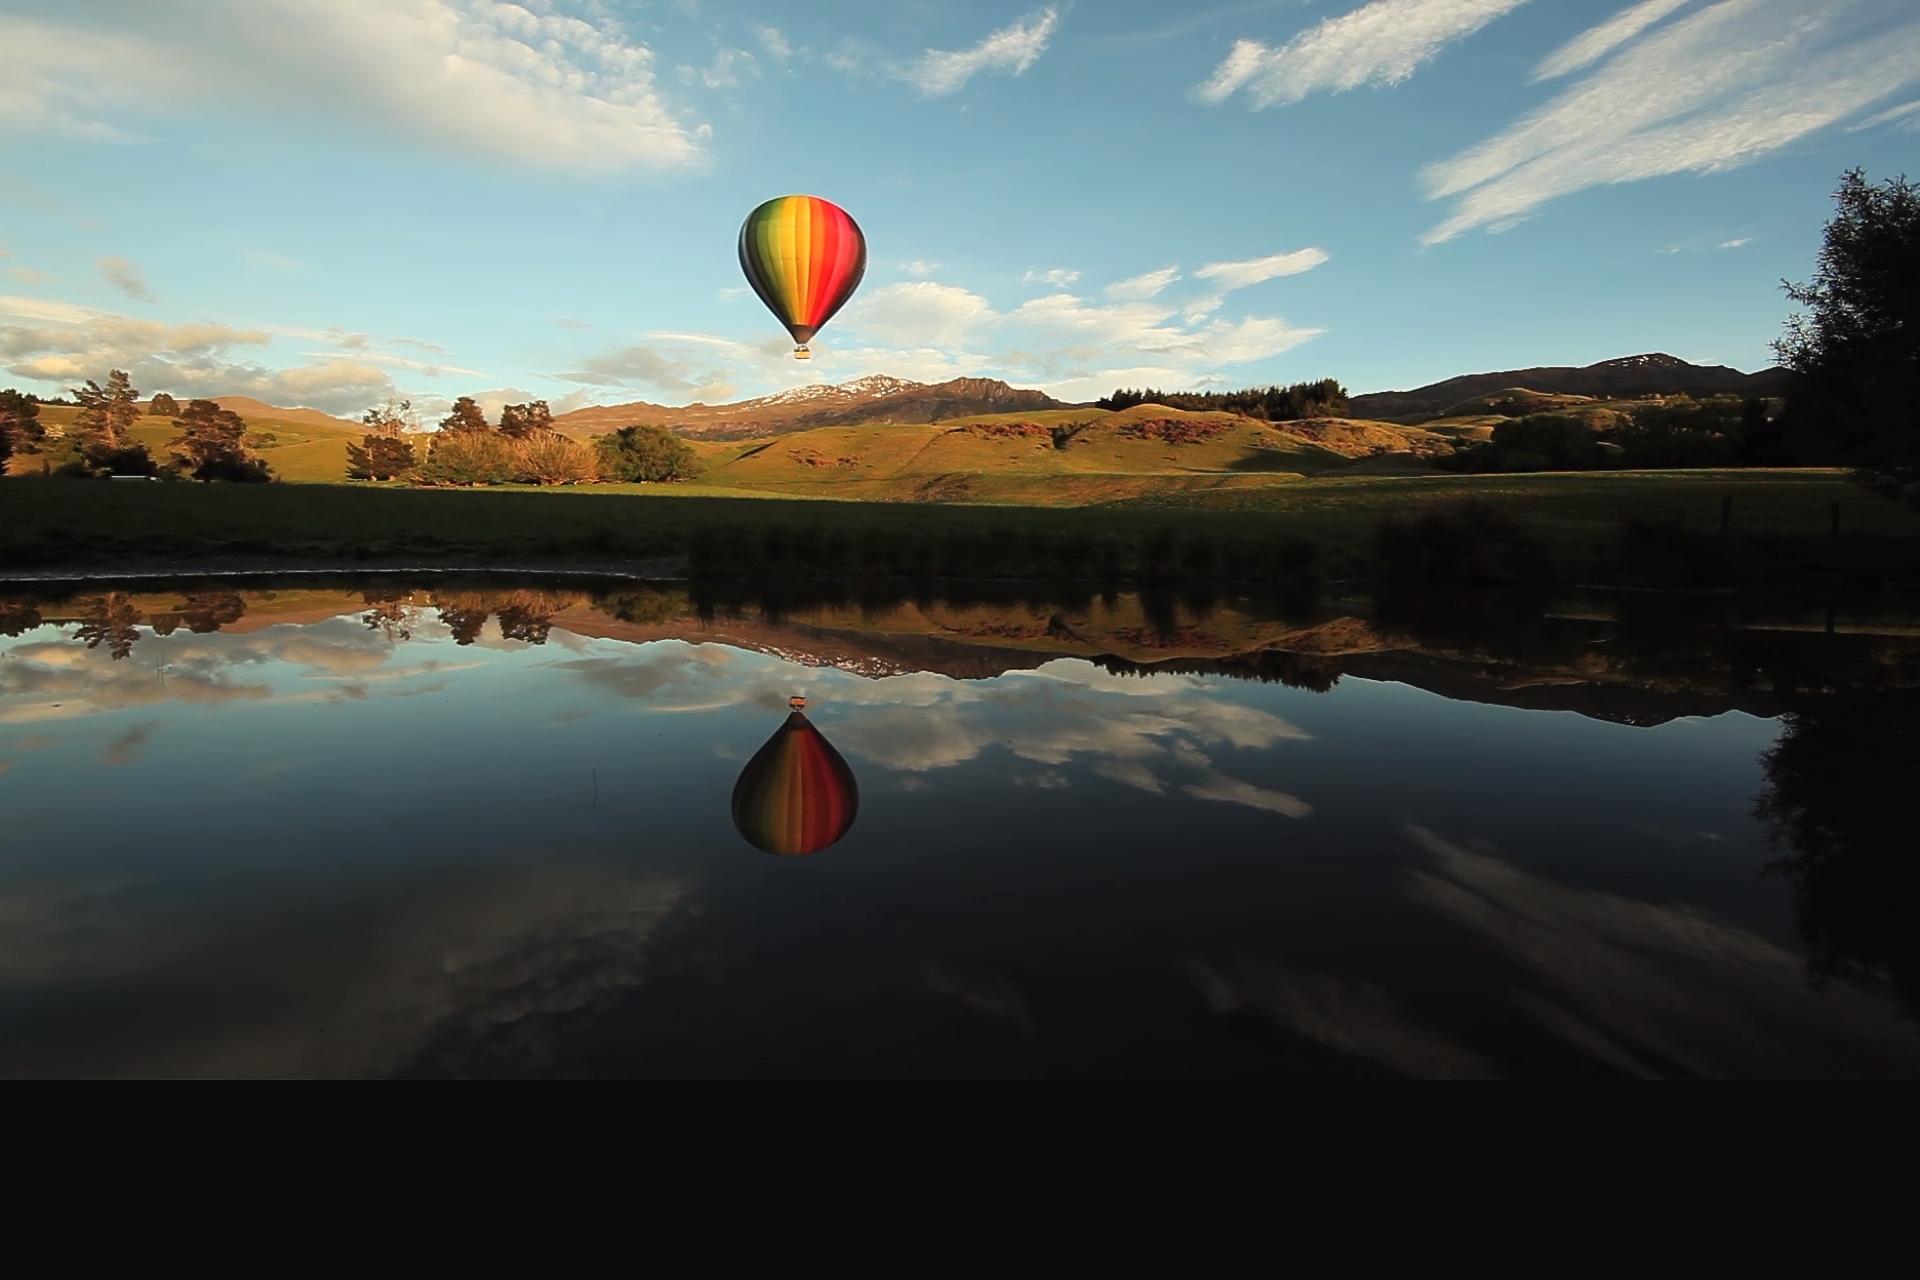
(804, 256)
(796, 796)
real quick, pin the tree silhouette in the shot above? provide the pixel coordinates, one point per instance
(523, 420)
(465, 417)
(213, 446)
(21, 430)
(380, 457)
(162, 406)
(1853, 394)
(208, 611)
(1840, 783)
(106, 413)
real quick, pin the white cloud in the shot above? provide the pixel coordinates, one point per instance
(1905, 114)
(1238, 275)
(493, 79)
(1059, 277)
(920, 313)
(1597, 42)
(919, 270)
(1380, 43)
(126, 277)
(728, 68)
(57, 343)
(1012, 49)
(1143, 286)
(1714, 91)
(777, 46)
(1735, 244)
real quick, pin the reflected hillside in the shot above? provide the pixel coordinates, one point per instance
(1639, 658)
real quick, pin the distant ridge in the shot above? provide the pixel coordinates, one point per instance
(872, 399)
(248, 407)
(1627, 378)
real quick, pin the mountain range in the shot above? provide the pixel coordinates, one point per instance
(873, 399)
(1627, 378)
(883, 399)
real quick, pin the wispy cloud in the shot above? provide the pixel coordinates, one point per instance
(1713, 91)
(1735, 244)
(1059, 277)
(1907, 114)
(1597, 42)
(1381, 43)
(523, 84)
(1145, 285)
(125, 276)
(777, 46)
(1238, 275)
(1012, 50)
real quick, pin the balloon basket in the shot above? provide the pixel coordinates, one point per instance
(801, 353)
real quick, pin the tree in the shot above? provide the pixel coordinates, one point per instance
(162, 406)
(395, 417)
(466, 417)
(106, 413)
(380, 457)
(213, 446)
(642, 453)
(468, 458)
(21, 430)
(1853, 394)
(551, 458)
(521, 421)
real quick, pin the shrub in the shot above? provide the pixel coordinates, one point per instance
(646, 454)
(551, 458)
(468, 458)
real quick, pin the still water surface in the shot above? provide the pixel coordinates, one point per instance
(457, 832)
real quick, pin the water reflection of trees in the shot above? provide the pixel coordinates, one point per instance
(201, 613)
(109, 620)
(525, 614)
(1838, 800)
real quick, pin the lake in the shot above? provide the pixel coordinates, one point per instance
(452, 827)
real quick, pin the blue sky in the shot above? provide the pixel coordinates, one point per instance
(327, 202)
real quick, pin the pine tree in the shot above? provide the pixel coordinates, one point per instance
(523, 420)
(212, 445)
(466, 418)
(106, 413)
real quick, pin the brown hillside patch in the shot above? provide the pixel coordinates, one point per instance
(814, 458)
(1008, 430)
(1354, 438)
(1176, 430)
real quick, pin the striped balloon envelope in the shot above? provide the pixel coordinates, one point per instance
(804, 256)
(796, 796)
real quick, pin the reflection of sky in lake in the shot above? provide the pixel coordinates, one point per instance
(318, 849)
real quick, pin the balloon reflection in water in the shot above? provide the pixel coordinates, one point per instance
(796, 796)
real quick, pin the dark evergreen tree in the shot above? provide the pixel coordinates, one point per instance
(381, 457)
(523, 420)
(162, 406)
(1853, 397)
(106, 413)
(466, 417)
(212, 445)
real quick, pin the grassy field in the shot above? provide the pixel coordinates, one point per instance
(1580, 519)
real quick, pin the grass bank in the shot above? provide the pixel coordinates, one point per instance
(1589, 526)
